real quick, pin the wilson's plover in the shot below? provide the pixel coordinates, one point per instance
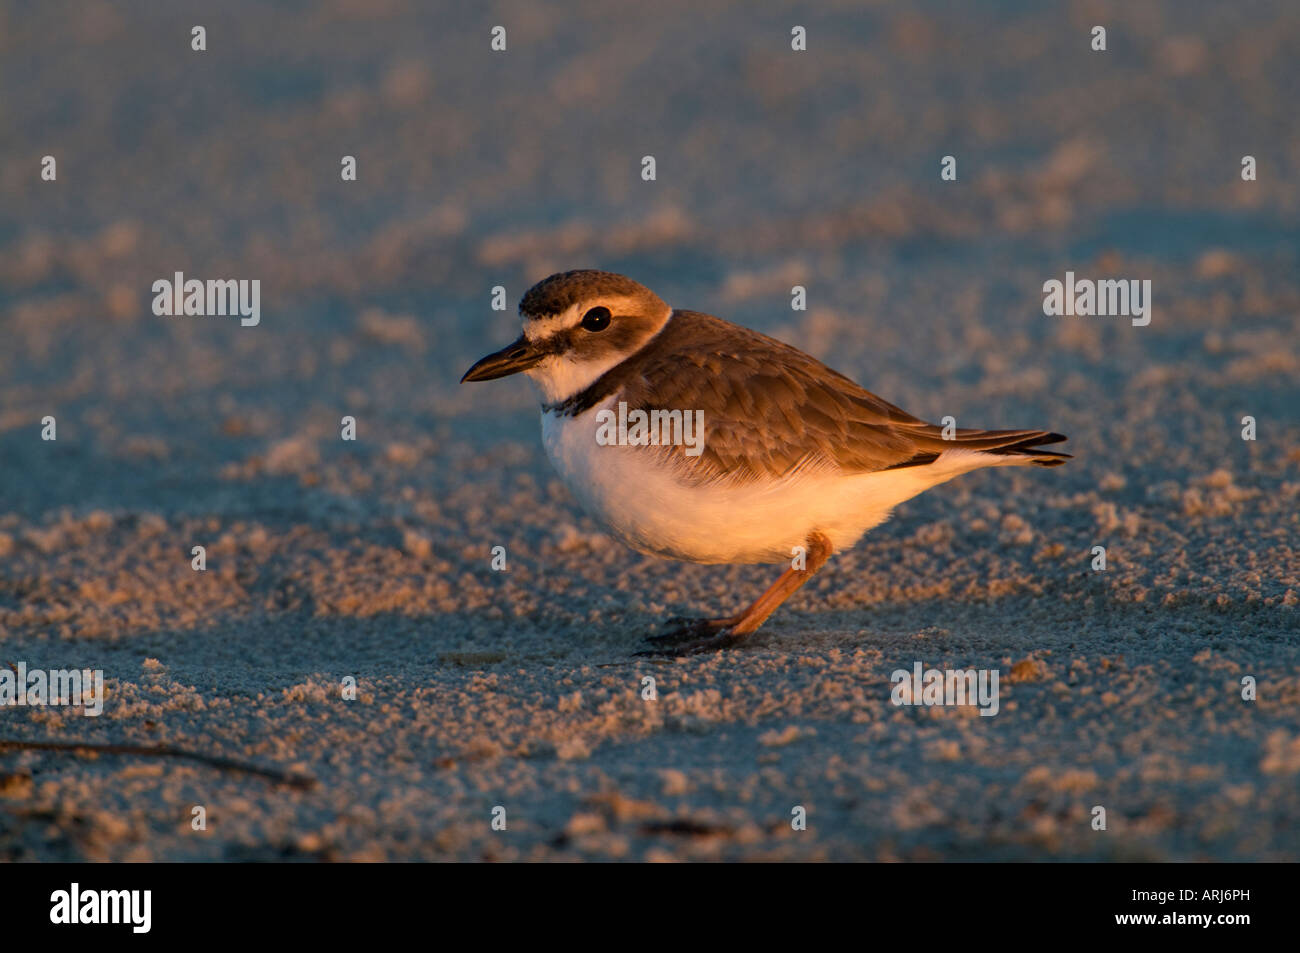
(796, 462)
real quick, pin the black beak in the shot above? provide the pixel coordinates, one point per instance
(511, 359)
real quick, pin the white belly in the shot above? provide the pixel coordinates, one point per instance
(642, 502)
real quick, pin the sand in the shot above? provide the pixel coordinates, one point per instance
(480, 689)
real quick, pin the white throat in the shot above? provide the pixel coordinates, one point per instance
(558, 378)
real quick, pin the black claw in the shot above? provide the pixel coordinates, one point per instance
(723, 639)
(692, 637)
(653, 653)
(684, 630)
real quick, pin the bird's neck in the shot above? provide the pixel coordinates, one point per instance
(571, 388)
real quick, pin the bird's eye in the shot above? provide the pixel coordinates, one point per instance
(597, 319)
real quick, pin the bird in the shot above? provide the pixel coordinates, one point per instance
(778, 458)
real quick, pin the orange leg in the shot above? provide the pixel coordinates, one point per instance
(694, 636)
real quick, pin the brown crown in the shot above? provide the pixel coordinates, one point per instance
(558, 293)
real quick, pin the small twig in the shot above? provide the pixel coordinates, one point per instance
(162, 751)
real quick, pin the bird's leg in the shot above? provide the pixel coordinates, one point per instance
(693, 636)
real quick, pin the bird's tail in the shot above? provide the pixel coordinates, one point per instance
(1016, 447)
(1025, 450)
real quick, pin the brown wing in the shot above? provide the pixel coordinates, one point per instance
(770, 410)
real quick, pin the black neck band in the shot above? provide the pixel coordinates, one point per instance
(591, 395)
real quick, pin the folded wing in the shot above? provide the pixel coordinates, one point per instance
(770, 410)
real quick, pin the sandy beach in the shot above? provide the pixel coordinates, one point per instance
(515, 693)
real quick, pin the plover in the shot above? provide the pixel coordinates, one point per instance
(797, 462)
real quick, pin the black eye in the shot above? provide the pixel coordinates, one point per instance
(597, 319)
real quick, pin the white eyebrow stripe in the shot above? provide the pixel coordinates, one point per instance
(536, 329)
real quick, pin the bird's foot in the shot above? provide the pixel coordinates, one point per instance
(685, 629)
(692, 637)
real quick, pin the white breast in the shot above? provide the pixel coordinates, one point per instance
(643, 503)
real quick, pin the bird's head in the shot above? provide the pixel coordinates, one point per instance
(577, 325)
